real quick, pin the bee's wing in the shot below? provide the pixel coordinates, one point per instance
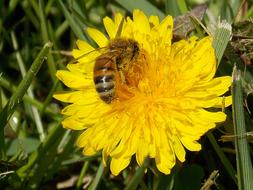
(92, 55)
(86, 56)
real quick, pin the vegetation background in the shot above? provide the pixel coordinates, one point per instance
(37, 153)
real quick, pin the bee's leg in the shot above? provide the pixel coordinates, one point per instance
(119, 69)
(122, 76)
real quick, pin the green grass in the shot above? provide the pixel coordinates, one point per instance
(37, 153)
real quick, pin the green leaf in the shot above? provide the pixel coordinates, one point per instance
(27, 145)
(221, 38)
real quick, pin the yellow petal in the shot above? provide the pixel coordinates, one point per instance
(224, 102)
(73, 123)
(119, 164)
(110, 27)
(89, 151)
(178, 149)
(83, 97)
(84, 46)
(104, 157)
(142, 152)
(141, 21)
(165, 29)
(74, 80)
(190, 144)
(154, 21)
(82, 140)
(122, 147)
(98, 37)
(85, 68)
(204, 117)
(216, 86)
(117, 18)
(165, 162)
(84, 57)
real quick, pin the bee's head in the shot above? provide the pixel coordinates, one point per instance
(125, 51)
(124, 48)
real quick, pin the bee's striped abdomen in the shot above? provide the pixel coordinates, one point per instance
(104, 74)
(112, 67)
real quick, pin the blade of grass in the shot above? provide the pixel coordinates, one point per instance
(76, 29)
(248, 14)
(171, 8)
(49, 6)
(12, 88)
(243, 162)
(80, 6)
(135, 181)
(81, 158)
(29, 14)
(35, 7)
(97, 178)
(45, 36)
(51, 33)
(82, 174)
(44, 165)
(40, 153)
(13, 4)
(17, 96)
(143, 5)
(61, 29)
(1, 101)
(166, 181)
(49, 96)
(35, 113)
(81, 21)
(65, 149)
(182, 6)
(236, 7)
(224, 160)
(221, 38)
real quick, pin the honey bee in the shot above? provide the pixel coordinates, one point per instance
(112, 66)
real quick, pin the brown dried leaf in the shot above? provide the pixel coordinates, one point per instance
(185, 23)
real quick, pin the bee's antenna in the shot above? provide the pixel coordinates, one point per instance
(118, 34)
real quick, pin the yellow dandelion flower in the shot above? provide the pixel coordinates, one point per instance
(162, 106)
